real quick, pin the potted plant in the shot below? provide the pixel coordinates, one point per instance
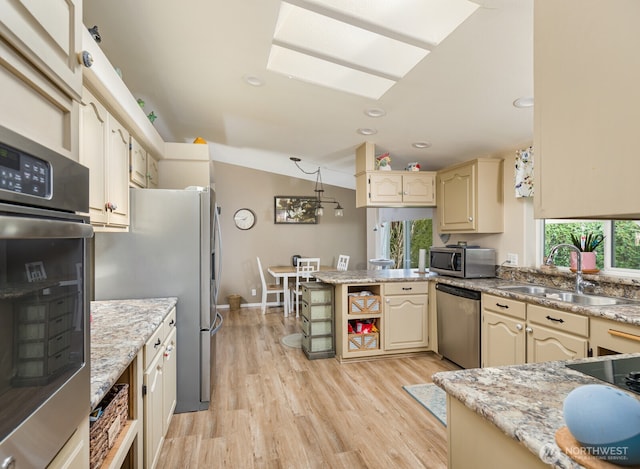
(587, 243)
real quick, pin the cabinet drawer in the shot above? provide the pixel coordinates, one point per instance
(498, 304)
(316, 327)
(317, 344)
(614, 336)
(405, 288)
(170, 322)
(560, 320)
(316, 293)
(313, 313)
(153, 346)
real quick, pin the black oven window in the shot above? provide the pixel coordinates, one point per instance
(41, 323)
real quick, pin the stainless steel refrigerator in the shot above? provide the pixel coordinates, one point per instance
(173, 248)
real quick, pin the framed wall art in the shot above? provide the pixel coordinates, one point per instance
(295, 210)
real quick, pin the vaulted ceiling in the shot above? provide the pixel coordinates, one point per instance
(193, 63)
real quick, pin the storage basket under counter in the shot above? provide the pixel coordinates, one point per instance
(318, 330)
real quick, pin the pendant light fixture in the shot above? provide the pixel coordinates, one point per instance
(319, 190)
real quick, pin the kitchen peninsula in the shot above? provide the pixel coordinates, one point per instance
(508, 416)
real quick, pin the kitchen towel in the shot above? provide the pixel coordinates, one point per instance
(524, 173)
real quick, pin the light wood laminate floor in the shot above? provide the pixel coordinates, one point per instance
(273, 408)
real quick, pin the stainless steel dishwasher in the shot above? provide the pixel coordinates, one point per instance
(458, 311)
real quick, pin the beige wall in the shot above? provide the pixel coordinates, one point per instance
(237, 187)
(519, 225)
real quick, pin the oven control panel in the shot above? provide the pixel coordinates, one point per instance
(24, 173)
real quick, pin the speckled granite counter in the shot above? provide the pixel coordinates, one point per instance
(119, 330)
(628, 313)
(523, 401)
(335, 277)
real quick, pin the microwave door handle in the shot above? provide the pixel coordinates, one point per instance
(453, 259)
(38, 228)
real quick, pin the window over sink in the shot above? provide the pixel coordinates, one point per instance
(619, 253)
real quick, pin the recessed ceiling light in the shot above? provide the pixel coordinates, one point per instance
(367, 131)
(421, 145)
(524, 102)
(253, 80)
(375, 112)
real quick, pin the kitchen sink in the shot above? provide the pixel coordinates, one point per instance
(567, 296)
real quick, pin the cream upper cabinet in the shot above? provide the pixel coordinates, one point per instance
(104, 144)
(514, 333)
(152, 172)
(470, 197)
(586, 75)
(138, 166)
(48, 34)
(391, 188)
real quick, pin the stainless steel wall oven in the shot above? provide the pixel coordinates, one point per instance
(44, 301)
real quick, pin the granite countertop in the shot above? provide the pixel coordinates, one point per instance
(119, 330)
(524, 401)
(627, 313)
(336, 277)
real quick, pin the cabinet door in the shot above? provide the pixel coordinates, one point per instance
(385, 188)
(456, 199)
(118, 174)
(153, 411)
(152, 172)
(419, 188)
(138, 173)
(93, 147)
(545, 344)
(169, 381)
(587, 111)
(503, 340)
(49, 35)
(406, 322)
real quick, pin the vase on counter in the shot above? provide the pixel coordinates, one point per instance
(588, 262)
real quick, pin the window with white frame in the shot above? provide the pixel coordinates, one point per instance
(618, 253)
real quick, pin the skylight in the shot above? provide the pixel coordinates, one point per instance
(358, 47)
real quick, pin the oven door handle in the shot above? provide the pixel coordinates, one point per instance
(31, 228)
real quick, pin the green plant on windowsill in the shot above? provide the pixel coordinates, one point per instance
(588, 242)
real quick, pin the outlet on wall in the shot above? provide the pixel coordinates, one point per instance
(253, 292)
(512, 259)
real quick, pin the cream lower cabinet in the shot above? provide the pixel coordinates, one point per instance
(609, 337)
(405, 315)
(514, 333)
(104, 145)
(470, 197)
(159, 388)
(75, 453)
(398, 310)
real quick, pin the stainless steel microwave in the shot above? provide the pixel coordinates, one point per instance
(463, 261)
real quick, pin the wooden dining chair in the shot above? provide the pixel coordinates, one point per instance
(271, 289)
(343, 262)
(304, 272)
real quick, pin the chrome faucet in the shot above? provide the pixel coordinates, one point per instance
(580, 282)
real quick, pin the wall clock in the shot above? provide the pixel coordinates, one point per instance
(244, 218)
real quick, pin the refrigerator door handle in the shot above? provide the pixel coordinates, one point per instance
(205, 373)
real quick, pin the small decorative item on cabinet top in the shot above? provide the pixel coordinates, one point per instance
(383, 162)
(415, 166)
(524, 173)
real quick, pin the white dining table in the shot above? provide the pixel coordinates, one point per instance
(284, 273)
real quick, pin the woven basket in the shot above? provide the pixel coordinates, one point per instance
(104, 431)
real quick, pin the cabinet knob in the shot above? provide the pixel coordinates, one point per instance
(110, 206)
(470, 218)
(85, 58)
(529, 330)
(519, 327)
(387, 300)
(9, 463)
